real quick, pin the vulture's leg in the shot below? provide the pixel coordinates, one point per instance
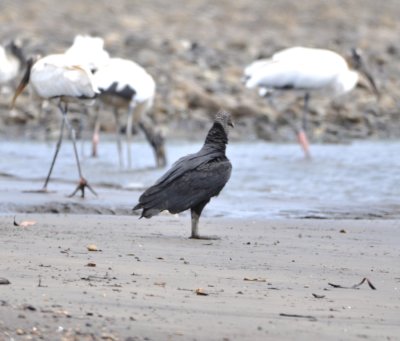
(119, 141)
(82, 181)
(196, 212)
(157, 141)
(301, 134)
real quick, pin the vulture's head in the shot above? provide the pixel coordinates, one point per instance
(225, 120)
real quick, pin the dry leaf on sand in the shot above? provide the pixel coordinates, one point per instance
(92, 247)
(24, 223)
(254, 279)
(201, 292)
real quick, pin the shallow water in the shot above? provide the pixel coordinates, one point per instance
(357, 180)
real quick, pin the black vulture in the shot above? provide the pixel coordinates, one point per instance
(194, 179)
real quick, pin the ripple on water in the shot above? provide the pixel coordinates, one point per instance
(268, 180)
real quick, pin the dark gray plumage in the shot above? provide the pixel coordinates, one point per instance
(194, 179)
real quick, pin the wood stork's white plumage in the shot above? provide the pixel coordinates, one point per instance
(307, 70)
(58, 77)
(127, 85)
(89, 51)
(11, 62)
(124, 84)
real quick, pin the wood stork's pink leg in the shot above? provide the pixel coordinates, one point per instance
(119, 141)
(129, 131)
(301, 134)
(96, 135)
(96, 139)
(305, 111)
(303, 141)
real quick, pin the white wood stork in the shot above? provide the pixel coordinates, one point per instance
(126, 85)
(11, 62)
(58, 77)
(307, 70)
(89, 51)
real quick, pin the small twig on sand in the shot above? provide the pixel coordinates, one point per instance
(310, 317)
(40, 283)
(98, 278)
(318, 296)
(355, 286)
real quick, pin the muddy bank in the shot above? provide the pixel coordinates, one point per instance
(196, 52)
(19, 196)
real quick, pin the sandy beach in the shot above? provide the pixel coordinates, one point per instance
(270, 276)
(307, 250)
(147, 281)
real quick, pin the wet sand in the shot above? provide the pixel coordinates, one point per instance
(258, 280)
(355, 181)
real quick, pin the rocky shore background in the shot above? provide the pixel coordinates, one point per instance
(196, 51)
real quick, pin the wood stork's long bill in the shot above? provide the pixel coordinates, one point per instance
(24, 82)
(359, 65)
(371, 81)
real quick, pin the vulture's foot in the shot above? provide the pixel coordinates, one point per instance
(204, 237)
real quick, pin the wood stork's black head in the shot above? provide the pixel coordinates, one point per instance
(356, 58)
(15, 48)
(358, 64)
(24, 81)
